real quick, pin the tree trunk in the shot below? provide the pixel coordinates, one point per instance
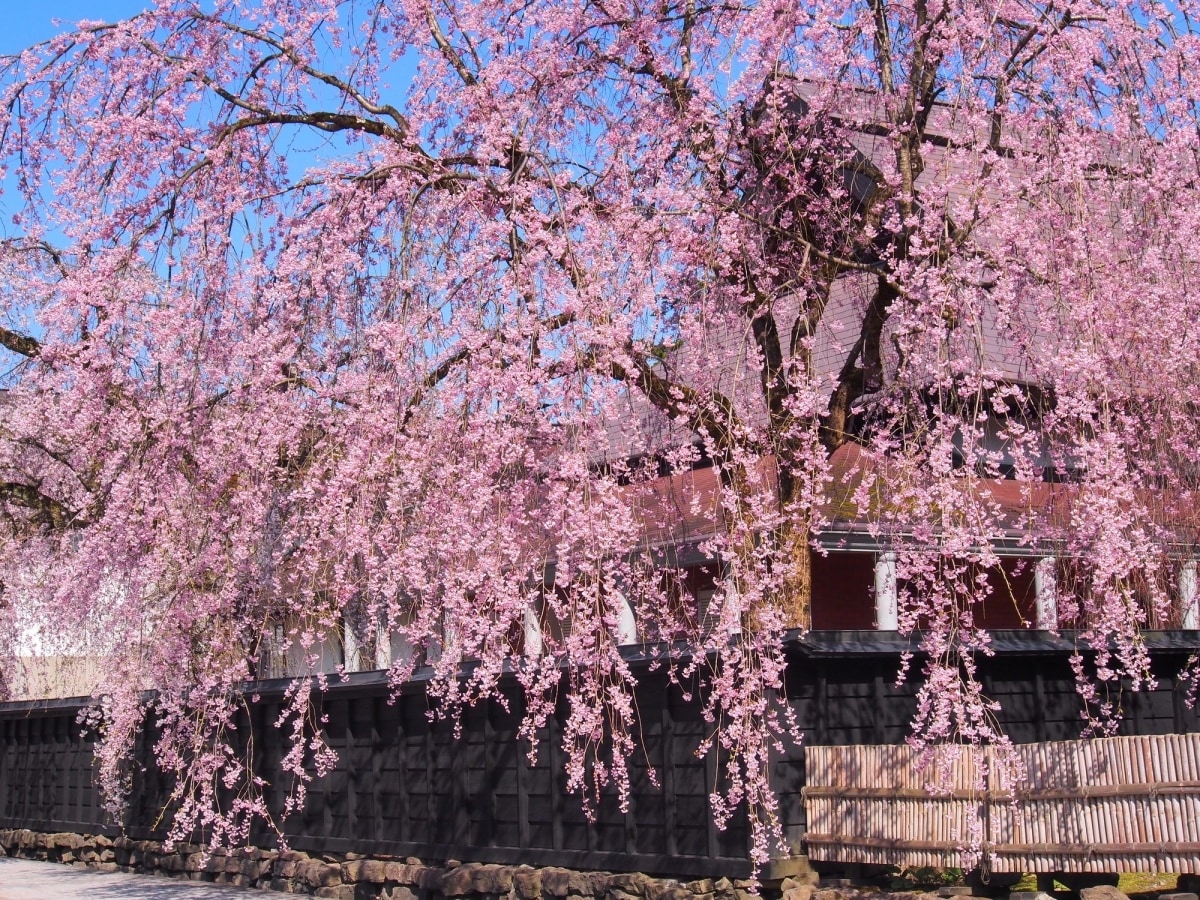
(796, 554)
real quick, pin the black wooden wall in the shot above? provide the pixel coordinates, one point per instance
(405, 785)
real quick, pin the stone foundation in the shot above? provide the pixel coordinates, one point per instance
(351, 876)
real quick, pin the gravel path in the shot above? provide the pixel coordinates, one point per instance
(27, 879)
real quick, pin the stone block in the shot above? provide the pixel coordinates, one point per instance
(797, 867)
(214, 864)
(527, 883)
(656, 887)
(555, 881)
(459, 880)
(399, 892)
(1029, 895)
(319, 874)
(838, 893)
(801, 880)
(256, 868)
(1179, 895)
(427, 878)
(588, 884)
(336, 892)
(286, 868)
(1102, 892)
(67, 840)
(493, 879)
(634, 883)
(954, 891)
(399, 872)
(373, 871)
(799, 892)
(173, 862)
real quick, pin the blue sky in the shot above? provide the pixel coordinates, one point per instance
(27, 23)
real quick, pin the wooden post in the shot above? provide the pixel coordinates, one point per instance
(352, 651)
(1045, 581)
(1188, 605)
(383, 645)
(627, 632)
(887, 614)
(350, 762)
(533, 631)
(403, 807)
(669, 794)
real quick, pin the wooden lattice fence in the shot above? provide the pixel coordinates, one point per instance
(1124, 804)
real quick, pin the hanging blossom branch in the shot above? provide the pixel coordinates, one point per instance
(460, 365)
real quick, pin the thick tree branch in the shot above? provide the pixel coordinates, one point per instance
(430, 381)
(862, 371)
(19, 343)
(451, 55)
(325, 121)
(45, 512)
(340, 84)
(709, 413)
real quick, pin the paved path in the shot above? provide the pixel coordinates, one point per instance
(27, 879)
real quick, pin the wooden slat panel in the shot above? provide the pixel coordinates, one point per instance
(1103, 805)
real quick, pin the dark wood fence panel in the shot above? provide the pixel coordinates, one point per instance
(47, 779)
(405, 784)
